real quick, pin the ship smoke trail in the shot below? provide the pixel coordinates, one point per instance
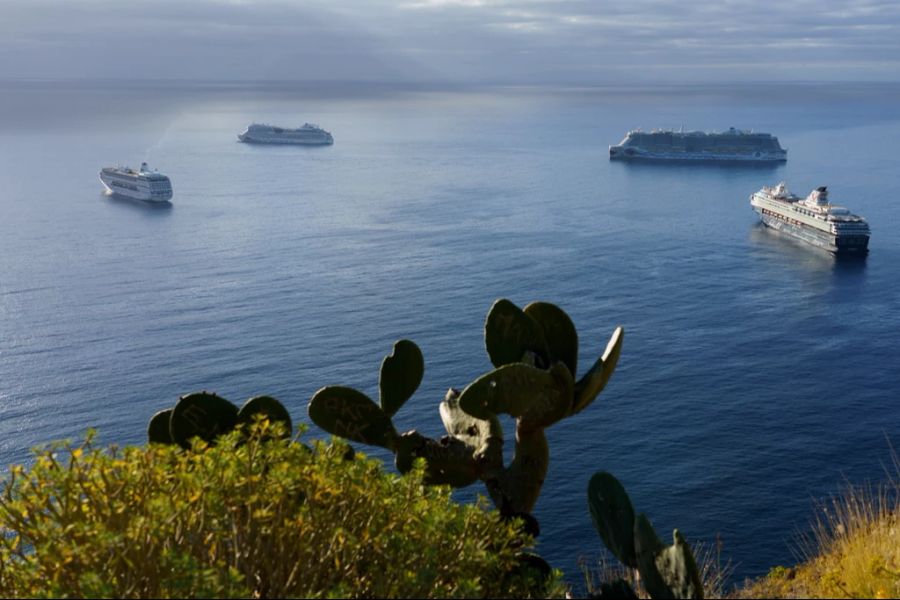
(157, 145)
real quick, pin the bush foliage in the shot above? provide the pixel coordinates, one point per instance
(258, 517)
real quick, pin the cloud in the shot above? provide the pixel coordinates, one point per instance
(202, 39)
(525, 41)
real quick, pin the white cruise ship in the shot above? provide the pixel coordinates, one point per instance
(812, 219)
(734, 145)
(308, 135)
(143, 184)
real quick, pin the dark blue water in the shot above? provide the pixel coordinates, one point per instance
(757, 373)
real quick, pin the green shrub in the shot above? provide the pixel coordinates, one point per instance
(247, 518)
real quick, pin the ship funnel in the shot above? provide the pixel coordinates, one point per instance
(144, 167)
(818, 196)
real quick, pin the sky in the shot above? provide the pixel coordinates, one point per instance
(572, 42)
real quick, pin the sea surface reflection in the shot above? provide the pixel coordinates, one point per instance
(751, 378)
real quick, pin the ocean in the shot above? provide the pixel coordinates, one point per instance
(755, 378)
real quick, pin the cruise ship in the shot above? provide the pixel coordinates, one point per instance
(143, 184)
(734, 145)
(308, 135)
(812, 219)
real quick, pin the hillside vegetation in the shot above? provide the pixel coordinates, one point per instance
(267, 517)
(248, 518)
(854, 551)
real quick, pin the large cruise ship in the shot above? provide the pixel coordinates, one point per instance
(308, 135)
(812, 219)
(143, 184)
(731, 145)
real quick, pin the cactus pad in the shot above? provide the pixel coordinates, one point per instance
(267, 407)
(519, 390)
(646, 548)
(401, 374)
(559, 331)
(679, 570)
(547, 410)
(613, 516)
(158, 430)
(509, 333)
(202, 415)
(350, 414)
(595, 380)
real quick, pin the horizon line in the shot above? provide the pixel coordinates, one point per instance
(420, 83)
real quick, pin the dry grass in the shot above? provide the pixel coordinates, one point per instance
(852, 552)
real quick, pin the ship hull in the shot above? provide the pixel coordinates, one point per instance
(125, 190)
(284, 141)
(837, 245)
(633, 155)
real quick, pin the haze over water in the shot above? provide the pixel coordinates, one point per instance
(757, 374)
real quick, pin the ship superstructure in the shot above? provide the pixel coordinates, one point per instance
(143, 184)
(731, 145)
(308, 135)
(812, 219)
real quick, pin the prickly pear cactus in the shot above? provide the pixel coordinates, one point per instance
(401, 374)
(510, 336)
(351, 414)
(539, 397)
(679, 570)
(510, 331)
(647, 547)
(202, 415)
(593, 382)
(348, 413)
(535, 355)
(265, 407)
(666, 571)
(158, 430)
(613, 516)
(206, 415)
(558, 330)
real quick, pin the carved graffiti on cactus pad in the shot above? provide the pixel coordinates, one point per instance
(347, 410)
(196, 416)
(351, 430)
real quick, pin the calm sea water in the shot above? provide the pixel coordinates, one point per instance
(757, 374)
